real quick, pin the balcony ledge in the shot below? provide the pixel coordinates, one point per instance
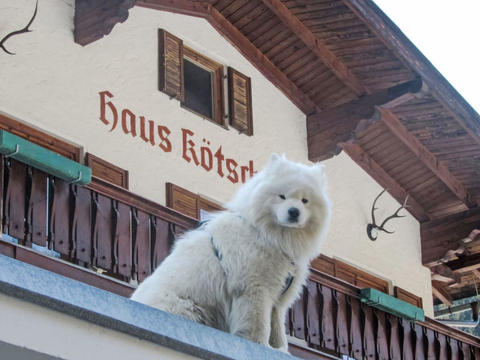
(75, 299)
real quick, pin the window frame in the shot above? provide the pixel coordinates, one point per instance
(217, 71)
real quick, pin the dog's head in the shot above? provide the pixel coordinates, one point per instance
(293, 192)
(286, 197)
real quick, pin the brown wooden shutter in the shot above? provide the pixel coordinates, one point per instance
(349, 273)
(170, 59)
(240, 101)
(107, 171)
(188, 203)
(408, 297)
(182, 200)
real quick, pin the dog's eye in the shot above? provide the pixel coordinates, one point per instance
(282, 197)
(304, 200)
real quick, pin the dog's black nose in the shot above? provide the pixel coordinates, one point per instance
(293, 214)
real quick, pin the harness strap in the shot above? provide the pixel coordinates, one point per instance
(288, 283)
(218, 255)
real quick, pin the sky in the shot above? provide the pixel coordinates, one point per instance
(447, 32)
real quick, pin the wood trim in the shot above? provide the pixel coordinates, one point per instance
(41, 138)
(317, 46)
(327, 129)
(95, 19)
(442, 235)
(218, 94)
(104, 170)
(185, 7)
(141, 203)
(66, 269)
(386, 181)
(408, 297)
(424, 155)
(260, 61)
(236, 121)
(441, 293)
(393, 38)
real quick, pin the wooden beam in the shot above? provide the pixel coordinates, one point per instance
(440, 237)
(376, 171)
(317, 46)
(465, 264)
(261, 62)
(437, 167)
(393, 38)
(441, 294)
(327, 129)
(476, 273)
(443, 273)
(185, 7)
(95, 19)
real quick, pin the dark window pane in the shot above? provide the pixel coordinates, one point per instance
(198, 89)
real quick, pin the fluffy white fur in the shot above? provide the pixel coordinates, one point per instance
(259, 244)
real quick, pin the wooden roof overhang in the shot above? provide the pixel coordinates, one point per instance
(366, 90)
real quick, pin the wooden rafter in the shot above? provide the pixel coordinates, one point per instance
(441, 294)
(317, 46)
(438, 168)
(465, 264)
(241, 43)
(95, 19)
(325, 130)
(447, 236)
(393, 38)
(185, 7)
(376, 171)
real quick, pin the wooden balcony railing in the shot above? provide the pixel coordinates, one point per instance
(330, 317)
(99, 227)
(106, 236)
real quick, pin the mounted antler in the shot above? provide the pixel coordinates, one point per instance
(17, 32)
(372, 228)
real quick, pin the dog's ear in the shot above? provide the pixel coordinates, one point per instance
(274, 160)
(319, 172)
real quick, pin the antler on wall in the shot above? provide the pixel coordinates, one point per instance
(373, 228)
(17, 32)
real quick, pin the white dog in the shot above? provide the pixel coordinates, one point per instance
(240, 271)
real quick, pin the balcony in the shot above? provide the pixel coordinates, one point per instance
(112, 239)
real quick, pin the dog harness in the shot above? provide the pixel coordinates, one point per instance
(218, 255)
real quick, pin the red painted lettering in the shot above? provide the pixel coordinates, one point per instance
(187, 142)
(165, 144)
(127, 113)
(112, 108)
(151, 132)
(232, 170)
(206, 157)
(219, 156)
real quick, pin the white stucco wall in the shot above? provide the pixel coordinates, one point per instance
(54, 84)
(49, 332)
(395, 257)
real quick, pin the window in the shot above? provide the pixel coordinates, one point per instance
(198, 83)
(203, 84)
